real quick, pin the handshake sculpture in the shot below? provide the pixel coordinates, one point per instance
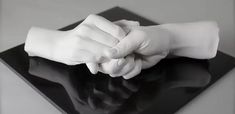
(123, 48)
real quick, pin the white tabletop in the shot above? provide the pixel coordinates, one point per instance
(17, 16)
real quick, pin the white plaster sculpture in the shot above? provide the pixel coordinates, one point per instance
(123, 48)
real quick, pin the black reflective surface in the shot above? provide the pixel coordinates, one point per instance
(162, 89)
(101, 94)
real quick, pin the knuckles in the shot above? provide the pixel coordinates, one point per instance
(110, 68)
(118, 32)
(91, 17)
(83, 30)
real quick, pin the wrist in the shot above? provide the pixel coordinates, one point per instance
(163, 38)
(40, 42)
(173, 38)
(195, 40)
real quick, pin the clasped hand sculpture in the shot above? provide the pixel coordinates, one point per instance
(123, 48)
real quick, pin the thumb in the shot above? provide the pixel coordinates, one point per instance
(127, 45)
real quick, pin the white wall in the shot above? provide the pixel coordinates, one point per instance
(16, 16)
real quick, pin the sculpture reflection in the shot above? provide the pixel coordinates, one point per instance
(102, 94)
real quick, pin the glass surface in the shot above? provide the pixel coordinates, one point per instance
(162, 89)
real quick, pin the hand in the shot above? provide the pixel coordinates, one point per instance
(90, 39)
(84, 44)
(126, 66)
(153, 43)
(131, 63)
(150, 44)
(113, 66)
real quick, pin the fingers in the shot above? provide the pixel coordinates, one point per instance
(96, 41)
(96, 34)
(79, 57)
(128, 45)
(126, 25)
(129, 65)
(102, 37)
(130, 68)
(135, 71)
(93, 67)
(89, 45)
(113, 66)
(81, 50)
(105, 25)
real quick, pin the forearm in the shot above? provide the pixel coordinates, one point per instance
(195, 40)
(40, 42)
